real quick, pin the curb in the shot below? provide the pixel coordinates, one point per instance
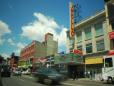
(85, 80)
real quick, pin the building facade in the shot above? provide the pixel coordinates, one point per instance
(36, 52)
(51, 45)
(94, 36)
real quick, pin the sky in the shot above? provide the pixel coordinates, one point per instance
(22, 21)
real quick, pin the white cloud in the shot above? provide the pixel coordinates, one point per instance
(37, 29)
(1, 41)
(62, 36)
(43, 24)
(19, 47)
(11, 42)
(4, 29)
(5, 55)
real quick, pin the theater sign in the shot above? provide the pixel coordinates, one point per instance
(71, 20)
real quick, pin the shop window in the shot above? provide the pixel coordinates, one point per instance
(99, 29)
(89, 48)
(112, 26)
(88, 34)
(100, 45)
(108, 62)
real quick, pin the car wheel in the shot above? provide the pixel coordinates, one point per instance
(37, 79)
(47, 81)
(109, 80)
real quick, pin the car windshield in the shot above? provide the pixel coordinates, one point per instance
(52, 71)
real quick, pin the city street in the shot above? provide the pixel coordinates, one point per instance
(19, 81)
(29, 81)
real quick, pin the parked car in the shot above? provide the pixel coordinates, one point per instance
(17, 72)
(64, 73)
(26, 72)
(47, 75)
(5, 71)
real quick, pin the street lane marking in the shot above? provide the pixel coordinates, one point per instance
(27, 76)
(22, 79)
(71, 84)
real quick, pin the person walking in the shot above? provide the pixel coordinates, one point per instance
(74, 75)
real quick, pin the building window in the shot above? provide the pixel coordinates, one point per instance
(99, 29)
(71, 44)
(79, 47)
(88, 33)
(112, 26)
(89, 48)
(108, 62)
(79, 36)
(100, 45)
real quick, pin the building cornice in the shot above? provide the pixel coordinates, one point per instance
(90, 18)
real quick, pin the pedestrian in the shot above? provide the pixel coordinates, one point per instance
(74, 75)
(91, 74)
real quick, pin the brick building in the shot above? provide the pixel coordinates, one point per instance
(37, 52)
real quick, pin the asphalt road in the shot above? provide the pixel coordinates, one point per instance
(18, 81)
(30, 81)
(23, 81)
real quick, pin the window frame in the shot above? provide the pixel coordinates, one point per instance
(89, 46)
(99, 29)
(101, 42)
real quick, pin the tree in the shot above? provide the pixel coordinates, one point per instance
(1, 59)
(106, 0)
(13, 55)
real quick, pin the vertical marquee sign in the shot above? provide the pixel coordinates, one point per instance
(71, 9)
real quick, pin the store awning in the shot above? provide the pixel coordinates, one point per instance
(69, 58)
(94, 60)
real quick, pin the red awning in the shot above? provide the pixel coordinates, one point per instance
(77, 52)
(42, 59)
(111, 35)
(111, 52)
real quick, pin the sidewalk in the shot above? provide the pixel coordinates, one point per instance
(71, 82)
(70, 79)
(84, 79)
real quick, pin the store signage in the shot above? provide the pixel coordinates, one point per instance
(71, 20)
(111, 35)
(95, 60)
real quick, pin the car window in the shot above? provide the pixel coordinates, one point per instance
(52, 71)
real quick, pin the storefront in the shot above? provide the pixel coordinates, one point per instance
(70, 62)
(93, 67)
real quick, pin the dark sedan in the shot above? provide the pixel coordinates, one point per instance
(47, 75)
